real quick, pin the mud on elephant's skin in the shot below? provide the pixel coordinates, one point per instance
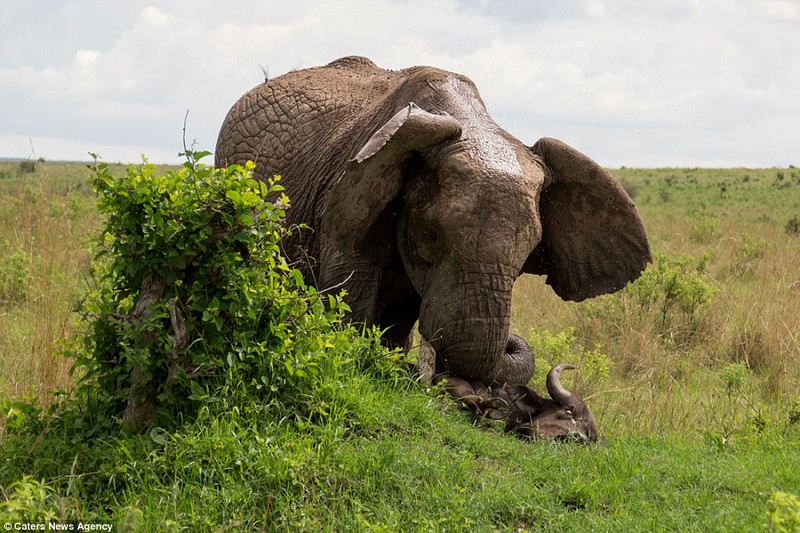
(422, 208)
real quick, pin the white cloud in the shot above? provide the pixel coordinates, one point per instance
(656, 83)
(153, 18)
(61, 149)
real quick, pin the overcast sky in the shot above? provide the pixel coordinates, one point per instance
(637, 83)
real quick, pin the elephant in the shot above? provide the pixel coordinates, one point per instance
(425, 211)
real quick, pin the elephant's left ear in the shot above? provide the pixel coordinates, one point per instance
(374, 177)
(593, 241)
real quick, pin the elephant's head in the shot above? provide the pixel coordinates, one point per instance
(468, 209)
(564, 417)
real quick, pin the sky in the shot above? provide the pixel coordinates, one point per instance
(661, 83)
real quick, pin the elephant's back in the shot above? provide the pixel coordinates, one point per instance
(284, 121)
(307, 124)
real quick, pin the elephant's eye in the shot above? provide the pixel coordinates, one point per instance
(429, 246)
(431, 236)
(426, 239)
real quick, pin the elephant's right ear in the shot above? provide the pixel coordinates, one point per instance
(374, 177)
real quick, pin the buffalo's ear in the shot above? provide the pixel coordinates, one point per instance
(374, 177)
(533, 400)
(593, 241)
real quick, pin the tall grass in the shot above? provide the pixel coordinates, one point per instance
(46, 217)
(728, 227)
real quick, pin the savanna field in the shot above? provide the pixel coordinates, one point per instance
(692, 372)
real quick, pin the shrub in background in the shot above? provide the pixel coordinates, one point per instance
(793, 226)
(549, 349)
(15, 275)
(678, 289)
(26, 167)
(671, 299)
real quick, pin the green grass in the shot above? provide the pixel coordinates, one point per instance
(699, 410)
(406, 462)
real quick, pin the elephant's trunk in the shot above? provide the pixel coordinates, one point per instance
(467, 325)
(512, 366)
(516, 365)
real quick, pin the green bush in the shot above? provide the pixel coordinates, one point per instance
(26, 167)
(195, 304)
(672, 297)
(15, 275)
(793, 226)
(549, 349)
(783, 513)
(672, 285)
(733, 377)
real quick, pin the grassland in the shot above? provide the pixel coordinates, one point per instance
(47, 219)
(730, 319)
(693, 375)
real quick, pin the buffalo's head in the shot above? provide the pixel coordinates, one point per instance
(564, 416)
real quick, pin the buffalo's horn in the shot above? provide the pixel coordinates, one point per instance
(553, 383)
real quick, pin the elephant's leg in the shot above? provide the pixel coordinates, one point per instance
(398, 308)
(378, 295)
(398, 331)
(426, 363)
(359, 278)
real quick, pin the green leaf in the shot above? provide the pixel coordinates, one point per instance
(198, 392)
(250, 199)
(159, 436)
(234, 196)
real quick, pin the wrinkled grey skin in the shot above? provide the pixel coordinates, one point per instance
(421, 207)
(563, 417)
